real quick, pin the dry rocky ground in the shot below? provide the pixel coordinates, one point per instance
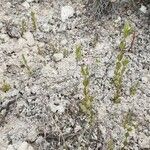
(41, 82)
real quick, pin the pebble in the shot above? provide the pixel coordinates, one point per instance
(26, 5)
(25, 146)
(45, 27)
(21, 42)
(144, 79)
(4, 38)
(143, 9)
(32, 135)
(48, 71)
(144, 141)
(10, 147)
(29, 1)
(13, 31)
(29, 37)
(110, 73)
(58, 56)
(66, 12)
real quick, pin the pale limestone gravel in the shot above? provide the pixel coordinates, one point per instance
(46, 103)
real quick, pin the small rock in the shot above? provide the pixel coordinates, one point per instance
(64, 42)
(25, 146)
(58, 57)
(77, 128)
(45, 27)
(13, 31)
(29, 1)
(102, 112)
(110, 73)
(10, 147)
(143, 9)
(144, 141)
(144, 79)
(41, 141)
(29, 37)
(48, 71)
(66, 12)
(26, 5)
(3, 144)
(4, 38)
(32, 135)
(21, 42)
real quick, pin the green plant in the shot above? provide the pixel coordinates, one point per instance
(34, 21)
(133, 89)
(110, 145)
(121, 64)
(23, 26)
(5, 87)
(78, 53)
(128, 126)
(25, 63)
(86, 104)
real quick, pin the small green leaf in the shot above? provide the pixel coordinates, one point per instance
(129, 129)
(125, 62)
(33, 18)
(78, 53)
(83, 108)
(5, 87)
(127, 134)
(118, 66)
(86, 82)
(24, 59)
(127, 30)
(83, 71)
(133, 89)
(125, 143)
(122, 45)
(120, 56)
(87, 70)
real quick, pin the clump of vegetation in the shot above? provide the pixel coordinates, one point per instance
(133, 89)
(86, 104)
(24, 26)
(34, 21)
(110, 145)
(78, 53)
(25, 63)
(5, 87)
(128, 126)
(121, 64)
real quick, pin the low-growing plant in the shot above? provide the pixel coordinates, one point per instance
(25, 63)
(121, 64)
(78, 53)
(86, 104)
(5, 87)
(34, 21)
(110, 145)
(24, 26)
(128, 125)
(133, 89)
